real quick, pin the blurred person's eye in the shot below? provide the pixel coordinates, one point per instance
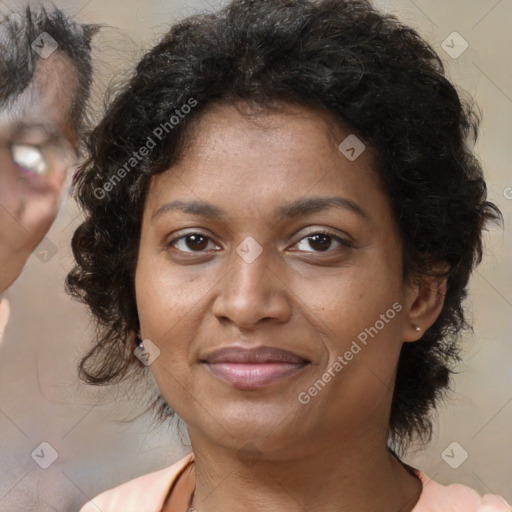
(30, 158)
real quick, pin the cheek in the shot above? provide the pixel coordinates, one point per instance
(168, 303)
(359, 315)
(9, 175)
(161, 313)
(355, 297)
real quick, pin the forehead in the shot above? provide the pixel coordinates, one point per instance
(261, 160)
(48, 99)
(294, 138)
(281, 126)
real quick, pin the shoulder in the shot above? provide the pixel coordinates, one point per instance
(143, 494)
(456, 497)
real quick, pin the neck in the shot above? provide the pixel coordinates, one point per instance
(354, 474)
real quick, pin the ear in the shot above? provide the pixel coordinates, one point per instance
(424, 302)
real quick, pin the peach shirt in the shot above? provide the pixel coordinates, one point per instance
(170, 490)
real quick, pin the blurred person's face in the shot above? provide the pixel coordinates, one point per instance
(38, 146)
(323, 279)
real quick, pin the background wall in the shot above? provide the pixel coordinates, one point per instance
(41, 401)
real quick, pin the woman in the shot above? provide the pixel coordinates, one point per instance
(282, 215)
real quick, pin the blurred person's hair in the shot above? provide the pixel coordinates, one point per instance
(19, 29)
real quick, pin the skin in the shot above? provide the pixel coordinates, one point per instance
(29, 203)
(293, 296)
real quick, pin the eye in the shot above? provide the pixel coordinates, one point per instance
(318, 241)
(196, 242)
(30, 158)
(322, 241)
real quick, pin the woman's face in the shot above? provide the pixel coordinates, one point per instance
(236, 264)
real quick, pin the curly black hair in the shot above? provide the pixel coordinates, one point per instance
(375, 77)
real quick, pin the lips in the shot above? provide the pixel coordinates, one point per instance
(254, 355)
(253, 368)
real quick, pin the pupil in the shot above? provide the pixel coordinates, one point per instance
(197, 241)
(324, 238)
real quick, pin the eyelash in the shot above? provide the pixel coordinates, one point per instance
(341, 241)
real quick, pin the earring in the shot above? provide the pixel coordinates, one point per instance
(417, 328)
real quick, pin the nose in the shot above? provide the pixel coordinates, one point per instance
(252, 291)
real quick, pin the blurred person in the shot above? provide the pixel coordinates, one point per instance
(45, 80)
(282, 214)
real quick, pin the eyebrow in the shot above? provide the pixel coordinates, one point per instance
(297, 208)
